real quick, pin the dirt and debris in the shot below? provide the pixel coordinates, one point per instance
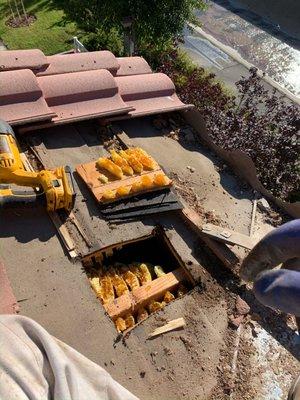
(194, 201)
(242, 308)
(191, 169)
(108, 139)
(273, 218)
(160, 122)
(272, 214)
(176, 128)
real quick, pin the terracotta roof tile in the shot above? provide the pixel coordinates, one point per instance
(81, 86)
(21, 99)
(64, 63)
(149, 94)
(22, 59)
(82, 95)
(133, 66)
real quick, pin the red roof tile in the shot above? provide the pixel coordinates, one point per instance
(22, 59)
(21, 99)
(133, 66)
(81, 86)
(82, 95)
(75, 62)
(149, 94)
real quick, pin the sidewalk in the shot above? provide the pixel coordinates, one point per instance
(224, 62)
(209, 56)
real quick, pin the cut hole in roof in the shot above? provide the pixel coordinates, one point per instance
(135, 278)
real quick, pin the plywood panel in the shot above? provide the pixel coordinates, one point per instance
(90, 173)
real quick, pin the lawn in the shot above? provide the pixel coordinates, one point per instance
(50, 32)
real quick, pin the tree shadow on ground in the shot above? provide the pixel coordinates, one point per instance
(31, 6)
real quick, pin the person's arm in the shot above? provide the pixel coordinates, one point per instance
(282, 245)
(35, 365)
(278, 289)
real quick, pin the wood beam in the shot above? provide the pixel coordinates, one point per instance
(128, 303)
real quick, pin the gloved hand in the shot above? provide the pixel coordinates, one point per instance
(279, 289)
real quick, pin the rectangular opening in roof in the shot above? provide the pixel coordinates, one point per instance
(136, 278)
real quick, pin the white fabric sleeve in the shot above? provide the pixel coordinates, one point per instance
(35, 365)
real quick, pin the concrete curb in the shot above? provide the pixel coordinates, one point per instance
(236, 56)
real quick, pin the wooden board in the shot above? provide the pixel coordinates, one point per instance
(220, 249)
(64, 234)
(141, 296)
(170, 326)
(75, 222)
(218, 233)
(123, 138)
(59, 225)
(41, 153)
(90, 174)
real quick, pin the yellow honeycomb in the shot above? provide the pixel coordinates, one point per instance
(123, 191)
(110, 166)
(121, 162)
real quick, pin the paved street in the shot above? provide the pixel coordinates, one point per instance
(277, 59)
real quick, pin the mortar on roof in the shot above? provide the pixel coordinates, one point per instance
(135, 278)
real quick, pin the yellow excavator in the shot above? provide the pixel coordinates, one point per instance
(51, 188)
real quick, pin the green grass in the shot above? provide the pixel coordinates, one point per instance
(50, 32)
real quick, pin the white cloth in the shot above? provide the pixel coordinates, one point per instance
(35, 365)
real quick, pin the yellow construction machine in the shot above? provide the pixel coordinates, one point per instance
(51, 188)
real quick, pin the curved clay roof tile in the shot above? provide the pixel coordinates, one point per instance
(22, 59)
(149, 94)
(133, 66)
(82, 95)
(21, 99)
(76, 62)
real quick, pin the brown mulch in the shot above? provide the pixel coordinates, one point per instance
(22, 21)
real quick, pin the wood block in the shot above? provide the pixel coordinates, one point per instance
(219, 233)
(64, 234)
(220, 249)
(170, 326)
(90, 174)
(139, 297)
